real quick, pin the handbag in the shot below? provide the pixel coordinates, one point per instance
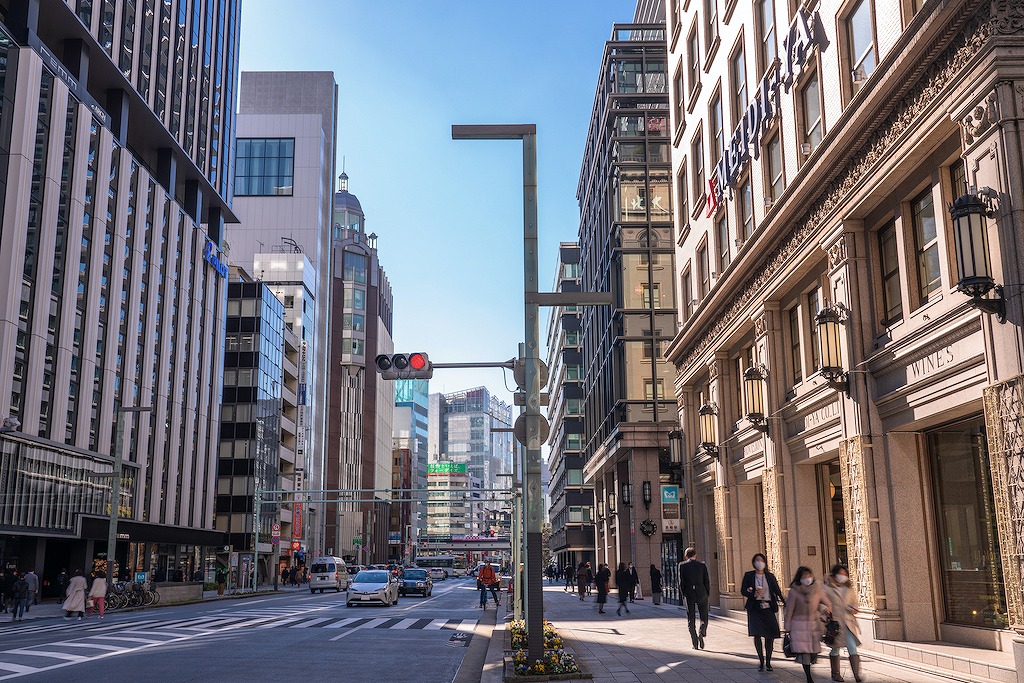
(787, 646)
(831, 632)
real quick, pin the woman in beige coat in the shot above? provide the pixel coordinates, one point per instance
(76, 596)
(805, 604)
(98, 594)
(845, 602)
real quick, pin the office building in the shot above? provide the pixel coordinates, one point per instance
(360, 402)
(462, 427)
(571, 504)
(850, 196)
(284, 178)
(414, 394)
(251, 423)
(116, 142)
(626, 248)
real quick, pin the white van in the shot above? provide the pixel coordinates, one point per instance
(328, 572)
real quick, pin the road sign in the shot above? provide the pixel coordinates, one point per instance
(520, 430)
(296, 545)
(277, 529)
(274, 540)
(357, 540)
(520, 372)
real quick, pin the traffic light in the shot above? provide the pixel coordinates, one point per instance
(405, 366)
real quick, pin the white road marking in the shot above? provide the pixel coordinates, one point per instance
(341, 624)
(435, 625)
(404, 623)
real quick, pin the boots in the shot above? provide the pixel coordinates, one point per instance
(855, 665)
(836, 672)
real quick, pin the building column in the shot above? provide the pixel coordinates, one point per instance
(768, 346)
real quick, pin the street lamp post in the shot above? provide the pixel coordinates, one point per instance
(115, 486)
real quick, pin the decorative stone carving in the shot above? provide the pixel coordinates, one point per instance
(722, 531)
(981, 118)
(858, 531)
(837, 253)
(1007, 16)
(970, 34)
(760, 324)
(1004, 420)
(772, 520)
(713, 370)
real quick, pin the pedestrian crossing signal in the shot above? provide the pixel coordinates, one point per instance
(404, 366)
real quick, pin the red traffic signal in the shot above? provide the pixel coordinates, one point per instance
(404, 366)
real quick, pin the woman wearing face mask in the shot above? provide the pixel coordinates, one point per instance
(804, 607)
(761, 589)
(844, 600)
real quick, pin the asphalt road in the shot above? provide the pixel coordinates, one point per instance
(292, 636)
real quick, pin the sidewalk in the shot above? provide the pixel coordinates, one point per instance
(51, 609)
(652, 645)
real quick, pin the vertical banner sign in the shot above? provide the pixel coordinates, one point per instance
(669, 509)
(297, 521)
(300, 424)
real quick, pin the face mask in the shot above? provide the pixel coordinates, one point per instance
(807, 580)
(842, 578)
(759, 565)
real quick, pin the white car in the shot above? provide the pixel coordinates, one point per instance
(438, 573)
(373, 585)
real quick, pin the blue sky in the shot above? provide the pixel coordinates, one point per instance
(449, 214)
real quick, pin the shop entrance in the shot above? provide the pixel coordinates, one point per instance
(832, 515)
(972, 578)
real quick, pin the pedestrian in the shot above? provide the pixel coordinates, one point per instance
(8, 589)
(695, 586)
(62, 582)
(845, 603)
(804, 606)
(624, 582)
(222, 579)
(601, 579)
(634, 582)
(284, 576)
(5, 594)
(19, 597)
(581, 580)
(761, 589)
(97, 594)
(33, 586)
(656, 584)
(486, 580)
(570, 577)
(591, 578)
(75, 601)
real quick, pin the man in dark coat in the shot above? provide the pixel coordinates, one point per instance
(695, 586)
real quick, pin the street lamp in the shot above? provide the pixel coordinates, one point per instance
(646, 491)
(675, 447)
(830, 349)
(970, 238)
(115, 485)
(600, 508)
(627, 494)
(611, 503)
(753, 396)
(708, 418)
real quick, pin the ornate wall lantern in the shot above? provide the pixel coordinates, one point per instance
(754, 386)
(830, 347)
(600, 508)
(708, 416)
(627, 494)
(646, 491)
(970, 240)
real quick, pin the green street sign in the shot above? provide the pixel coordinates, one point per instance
(357, 541)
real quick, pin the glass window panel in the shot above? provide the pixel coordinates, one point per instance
(926, 245)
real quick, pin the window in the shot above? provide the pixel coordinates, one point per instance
(684, 204)
(888, 257)
(679, 86)
(355, 347)
(654, 389)
(355, 298)
(717, 128)
(722, 240)
(703, 271)
(739, 86)
(687, 306)
(353, 321)
(354, 267)
(795, 360)
(710, 24)
(766, 28)
(264, 166)
(677, 16)
(958, 178)
(693, 59)
(926, 245)
(651, 295)
(813, 306)
(860, 31)
(697, 158)
(773, 166)
(745, 210)
(810, 101)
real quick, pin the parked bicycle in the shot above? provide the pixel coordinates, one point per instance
(124, 594)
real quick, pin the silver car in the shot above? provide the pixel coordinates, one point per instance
(373, 585)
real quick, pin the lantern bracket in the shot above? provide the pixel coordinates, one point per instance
(996, 305)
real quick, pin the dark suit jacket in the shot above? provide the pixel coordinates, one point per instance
(694, 581)
(747, 590)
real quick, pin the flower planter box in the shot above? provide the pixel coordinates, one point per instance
(512, 677)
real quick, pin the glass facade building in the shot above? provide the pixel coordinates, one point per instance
(115, 189)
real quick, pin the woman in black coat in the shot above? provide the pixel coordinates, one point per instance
(763, 594)
(624, 582)
(656, 584)
(602, 579)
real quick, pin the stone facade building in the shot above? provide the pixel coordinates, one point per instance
(842, 400)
